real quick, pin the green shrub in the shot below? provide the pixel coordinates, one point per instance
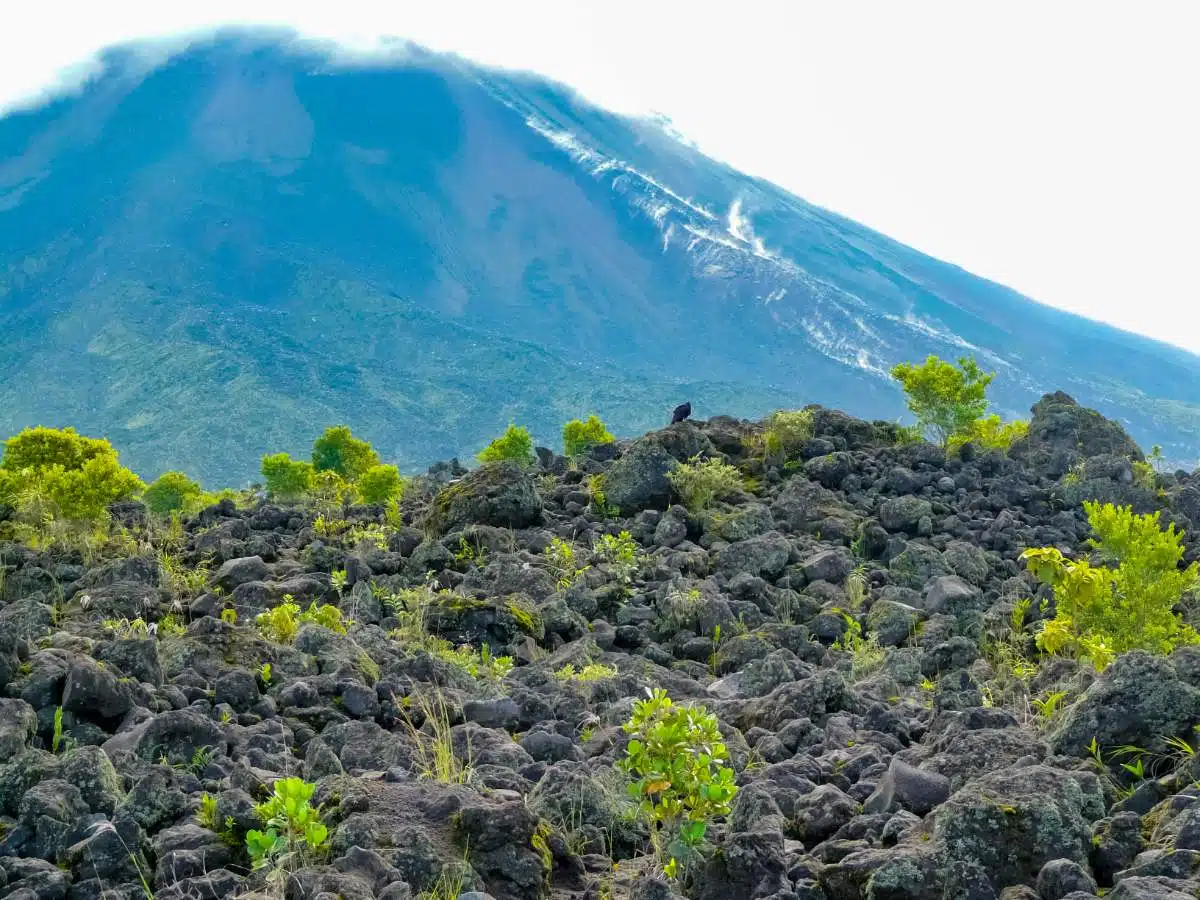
(786, 431)
(44, 448)
(579, 436)
(286, 478)
(379, 484)
(1102, 611)
(621, 553)
(170, 492)
(294, 830)
(990, 433)
(515, 444)
(699, 482)
(946, 399)
(337, 450)
(282, 623)
(54, 473)
(674, 759)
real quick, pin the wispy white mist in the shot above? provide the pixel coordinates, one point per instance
(1051, 147)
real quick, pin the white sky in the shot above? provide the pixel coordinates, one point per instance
(1053, 147)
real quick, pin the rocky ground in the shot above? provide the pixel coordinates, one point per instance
(849, 618)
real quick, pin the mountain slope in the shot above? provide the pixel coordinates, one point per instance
(249, 242)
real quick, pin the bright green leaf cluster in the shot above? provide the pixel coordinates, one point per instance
(380, 484)
(990, 433)
(293, 825)
(1102, 611)
(699, 482)
(282, 623)
(579, 436)
(785, 432)
(515, 444)
(170, 492)
(946, 399)
(57, 473)
(286, 478)
(338, 450)
(620, 553)
(674, 759)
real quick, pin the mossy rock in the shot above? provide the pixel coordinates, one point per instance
(503, 494)
(496, 623)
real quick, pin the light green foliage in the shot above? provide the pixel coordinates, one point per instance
(563, 560)
(286, 478)
(294, 830)
(674, 760)
(699, 482)
(946, 399)
(432, 739)
(785, 432)
(47, 448)
(578, 435)
(865, 653)
(515, 444)
(380, 484)
(337, 450)
(620, 553)
(595, 489)
(476, 663)
(54, 473)
(1102, 610)
(282, 623)
(990, 433)
(590, 672)
(171, 492)
(56, 739)
(206, 815)
(329, 488)
(1144, 475)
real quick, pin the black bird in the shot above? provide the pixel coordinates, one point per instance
(682, 411)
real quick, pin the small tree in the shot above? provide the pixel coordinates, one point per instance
(946, 399)
(171, 491)
(286, 478)
(1101, 611)
(990, 433)
(579, 436)
(62, 474)
(675, 758)
(515, 444)
(337, 450)
(379, 484)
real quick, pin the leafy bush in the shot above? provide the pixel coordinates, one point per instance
(286, 478)
(990, 433)
(338, 450)
(44, 448)
(674, 758)
(379, 484)
(563, 560)
(282, 623)
(1101, 611)
(786, 432)
(699, 482)
(58, 474)
(621, 553)
(170, 492)
(515, 444)
(294, 830)
(579, 436)
(946, 399)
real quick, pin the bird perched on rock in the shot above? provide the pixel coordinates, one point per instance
(682, 411)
